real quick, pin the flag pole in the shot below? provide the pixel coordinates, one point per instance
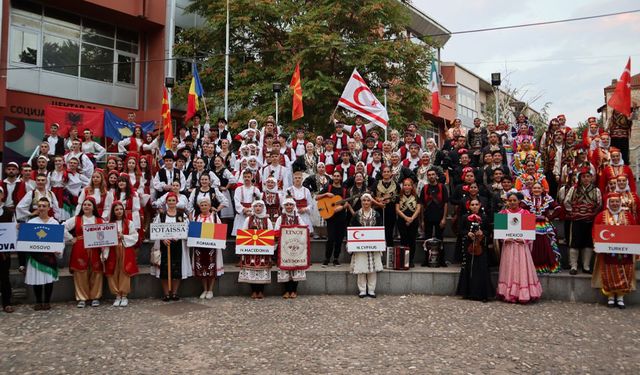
(226, 70)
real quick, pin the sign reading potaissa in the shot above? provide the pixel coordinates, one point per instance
(41, 238)
(617, 239)
(168, 231)
(100, 235)
(364, 239)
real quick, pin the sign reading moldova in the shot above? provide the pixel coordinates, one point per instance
(209, 235)
(8, 236)
(618, 239)
(41, 238)
(168, 231)
(100, 235)
(363, 239)
(294, 248)
(514, 227)
(358, 98)
(255, 242)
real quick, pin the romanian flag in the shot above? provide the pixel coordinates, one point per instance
(296, 85)
(167, 126)
(514, 226)
(255, 241)
(210, 235)
(195, 92)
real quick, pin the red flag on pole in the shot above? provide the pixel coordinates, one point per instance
(621, 98)
(296, 86)
(66, 117)
(166, 119)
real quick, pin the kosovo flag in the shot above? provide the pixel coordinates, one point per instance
(118, 129)
(40, 237)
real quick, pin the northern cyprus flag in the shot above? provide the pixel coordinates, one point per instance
(514, 226)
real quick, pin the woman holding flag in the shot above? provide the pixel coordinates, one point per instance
(517, 279)
(256, 269)
(290, 278)
(207, 263)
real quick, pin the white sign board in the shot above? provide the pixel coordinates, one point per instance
(168, 231)
(365, 239)
(100, 235)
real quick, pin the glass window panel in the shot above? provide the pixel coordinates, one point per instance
(26, 7)
(99, 40)
(60, 55)
(19, 20)
(99, 28)
(127, 35)
(97, 63)
(126, 69)
(62, 18)
(24, 47)
(127, 47)
(68, 32)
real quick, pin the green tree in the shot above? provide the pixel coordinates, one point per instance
(328, 38)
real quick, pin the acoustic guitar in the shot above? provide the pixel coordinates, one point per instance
(327, 206)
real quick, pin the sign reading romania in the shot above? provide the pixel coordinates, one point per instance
(209, 235)
(617, 239)
(255, 242)
(41, 238)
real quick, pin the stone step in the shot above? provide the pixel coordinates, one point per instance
(336, 280)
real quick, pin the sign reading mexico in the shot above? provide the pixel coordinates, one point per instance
(618, 239)
(168, 231)
(255, 242)
(41, 238)
(8, 236)
(514, 227)
(209, 235)
(100, 235)
(362, 239)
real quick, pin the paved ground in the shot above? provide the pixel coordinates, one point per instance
(322, 334)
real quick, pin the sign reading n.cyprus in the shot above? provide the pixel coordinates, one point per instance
(618, 239)
(363, 239)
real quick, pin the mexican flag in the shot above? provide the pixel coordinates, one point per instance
(514, 226)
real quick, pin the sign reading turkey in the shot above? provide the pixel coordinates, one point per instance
(362, 239)
(618, 239)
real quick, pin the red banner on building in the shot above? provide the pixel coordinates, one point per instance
(66, 117)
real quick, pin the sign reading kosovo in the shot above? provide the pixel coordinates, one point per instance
(255, 242)
(365, 239)
(8, 236)
(209, 235)
(41, 238)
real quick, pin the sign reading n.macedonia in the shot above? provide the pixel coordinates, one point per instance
(294, 248)
(255, 242)
(618, 239)
(364, 239)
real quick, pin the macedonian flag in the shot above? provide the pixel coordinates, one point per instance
(255, 241)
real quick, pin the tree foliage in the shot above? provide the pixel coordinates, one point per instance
(328, 38)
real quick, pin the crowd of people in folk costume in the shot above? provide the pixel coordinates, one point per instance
(262, 178)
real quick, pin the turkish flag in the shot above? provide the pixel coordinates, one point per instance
(621, 98)
(66, 117)
(358, 98)
(619, 239)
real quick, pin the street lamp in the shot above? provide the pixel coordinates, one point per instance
(495, 82)
(277, 88)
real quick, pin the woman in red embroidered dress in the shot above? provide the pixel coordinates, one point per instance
(256, 269)
(121, 264)
(207, 262)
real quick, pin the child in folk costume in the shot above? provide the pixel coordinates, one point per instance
(183, 201)
(132, 205)
(121, 265)
(226, 182)
(614, 274)
(42, 268)
(242, 198)
(85, 264)
(74, 181)
(366, 264)
(98, 190)
(475, 280)
(290, 278)
(630, 200)
(273, 198)
(256, 269)
(133, 143)
(304, 201)
(517, 279)
(179, 253)
(207, 263)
